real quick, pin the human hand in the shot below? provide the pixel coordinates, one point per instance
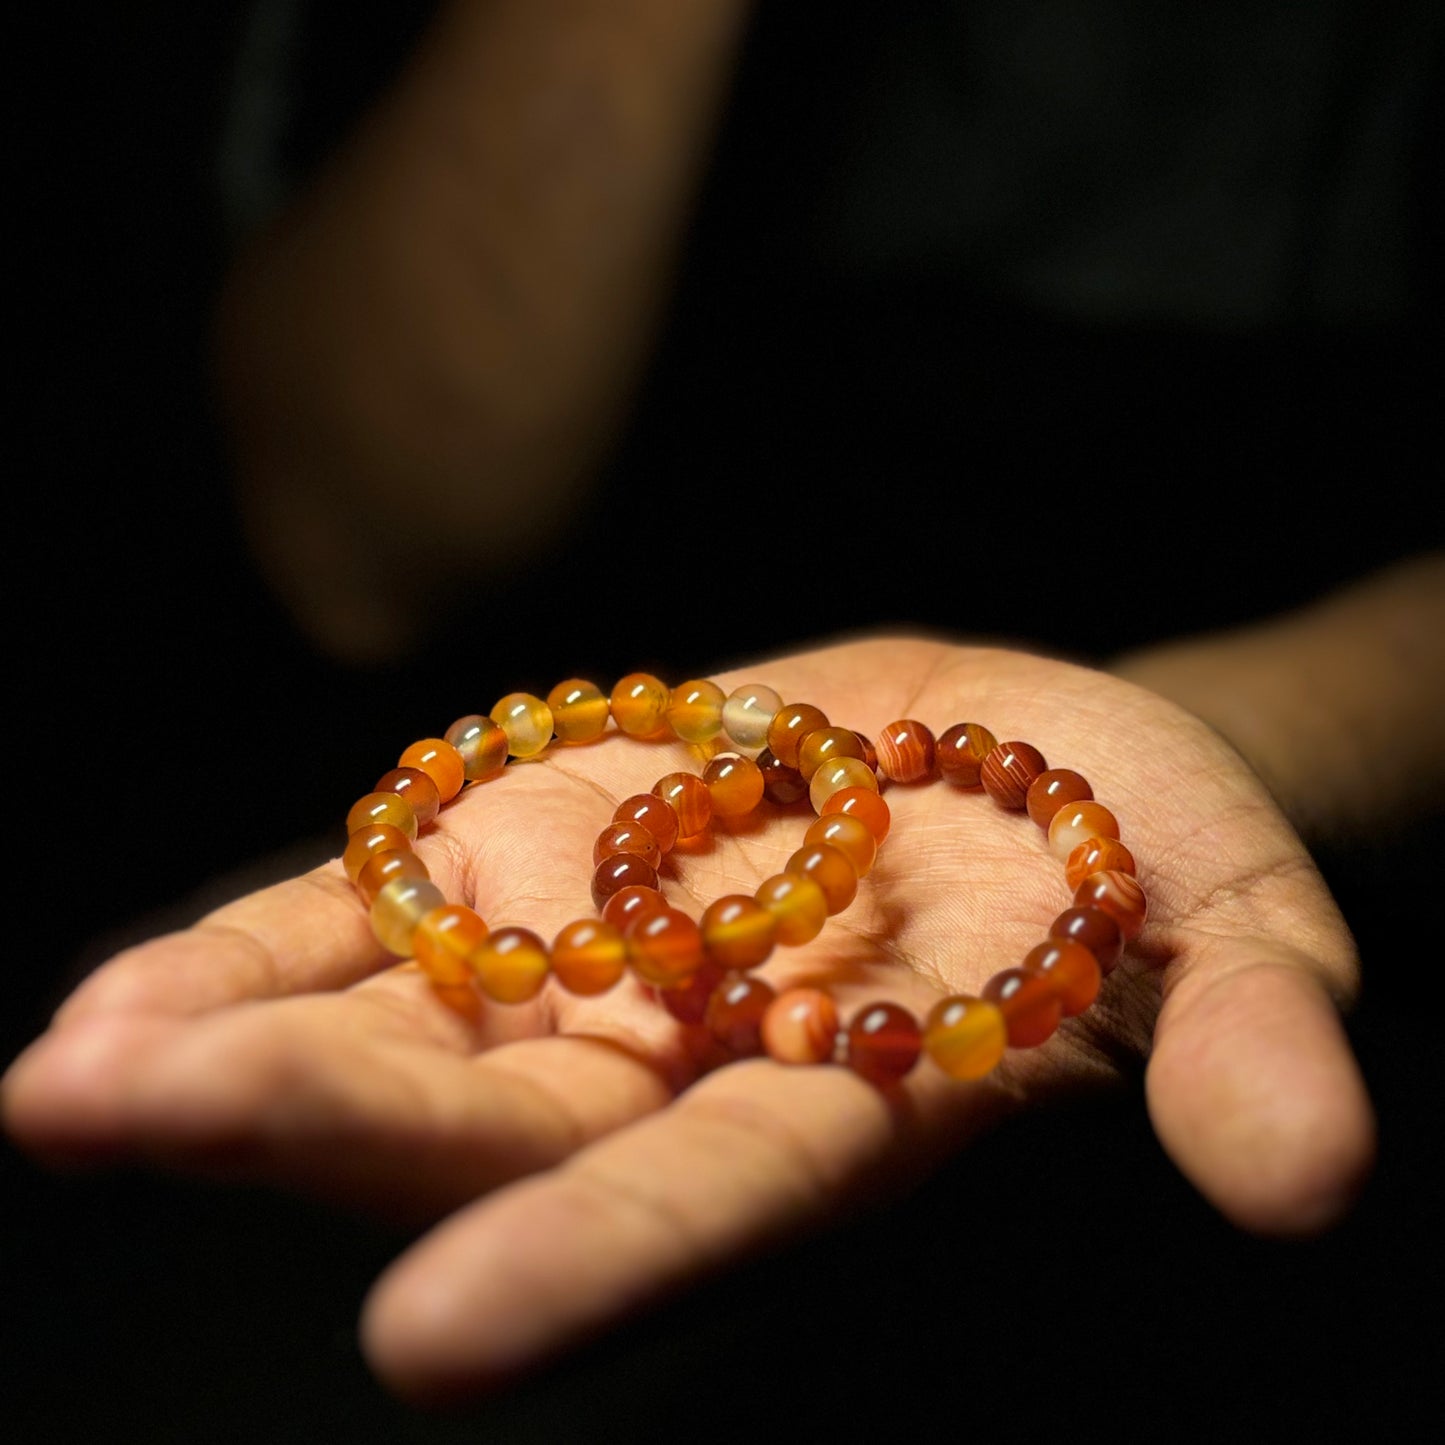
(583, 1156)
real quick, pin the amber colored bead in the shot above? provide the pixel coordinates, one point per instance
(1073, 971)
(824, 745)
(849, 835)
(362, 844)
(626, 870)
(960, 752)
(734, 1015)
(376, 808)
(1097, 855)
(441, 762)
(629, 904)
(747, 713)
(1051, 790)
(589, 956)
(381, 868)
(579, 710)
(906, 751)
(1095, 929)
(830, 868)
(416, 788)
(1008, 772)
(695, 710)
(399, 908)
(690, 801)
(790, 725)
(738, 932)
(734, 786)
(884, 1042)
(657, 816)
(1076, 823)
(1119, 895)
(444, 941)
(687, 1002)
(781, 784)
(618, 838)
(511, 965)
(664, 948)
(798, 905)
(863, 804)
(1030, 1006)
(833, 777)
(966, 1037)
(800, 1026)
(527, 722)
(639, 705)
(481, 745)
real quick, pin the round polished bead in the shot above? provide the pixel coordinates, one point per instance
(1119, 895)
(362, 844)
(781, 784)
(441, 762)
(589, 956)
(481, 745)
(579, 710)
(966, 1037)
(511, 965)
(960, 752)
(416, 788)
(657, 816)
(626, 870)
(830, 868)
(849, 835)
(381, 868)
(1030, 1007)
(1072, 970)
(790, 725)
(1051, 790)
(619, 838)
(629, 904)
(687, 1001)
(1076, 823)
(798, 905)
(690, 801)
(734, 785)
(800, 1026)
(376, 808)
(824, 745)
(527, 722)
(639, 705)
(1008, 772)
(399, 908)
(664, 948)
(833, 777)
(884, 1042)
(863, 804)
(906, 751)
(735, 1012)
(738, 932)
(747, 712)
(695, 710)
(444, 941)
(1097, 855)
(1095, 929)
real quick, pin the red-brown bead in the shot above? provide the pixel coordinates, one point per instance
(618, 838)
(1030, 1007)
(801, 1027)
(664, 948)
(790, 725)
(735, 1012)
(960, 752)
(1120, 896)
(1052, 789)
(906, 751)
(1072, 970)
(626, 870)
(1008, 772)
(657, 816)
(781, 784)
(1095, 929)
(884, 1042)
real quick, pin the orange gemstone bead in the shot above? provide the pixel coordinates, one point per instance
(399, 908)
(1097, 855)
(966, 1037)
(527, 722)
(781, 784)
(658, 817)
(1030, 1006)
(1051, 790)
(444, 941)
(800, 1026)
(960, 752)
(1009, 771)
(850, 835)
(412, 785)
(1118, 895)
(381, 868)
(1070, 968)
(797, 903)
(834, 777)
(790, 725)
(863, 804)
(626, 870)
(1076, 823)
(511, 965)
(884, 1042)
(579, 710)
(870, 753)
(629, 903)
(695, 709)
(1095, 929)
(824, 745)
(738, 932)
(664, 948)
(589, 956)
(639, 705)
(734, 1015)
(441, 762)
(618, 838)
(734, 786)
(906, 751)
(687, 1001)
(688, 795)
(376, 808)
(362, 844)
(481, 745)
(830, 868)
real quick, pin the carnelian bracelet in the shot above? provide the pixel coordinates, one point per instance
(701, 970)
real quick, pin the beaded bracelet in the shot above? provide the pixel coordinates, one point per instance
(702, 970)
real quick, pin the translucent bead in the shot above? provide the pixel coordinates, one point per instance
(781, 784)
(589, 956)
(1119, 896)
(851, 836)
(833, 777)
(658, 817)
(1008, 772)
(1076, 823)
(412, 785)
(1051, 790)
(379, 838)
(738, 932)
(626, 870)
(960, 752)
(734, 1015)
(579, 710)
(664, 948)
(800, 1026)
(383, 868)
(1095, 929)
(906, 751)
(830, 868)
(618, 838)
(966, 1037)
(1097, 855)
(441, 762)
(747, 712)
(734, 785)
(510, 965)
(695, 711)
(444, 941)
(1031, 1009)
(639, 705)
(1071, 969)
(629, 903)
(527, 722)
(884, 1042)
(690, 801)
(790, 725)
(863, 804)
(399, 908)
(688, 1001)
(798, 905)
(823, 745)
(377, 808)
(481, 744)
